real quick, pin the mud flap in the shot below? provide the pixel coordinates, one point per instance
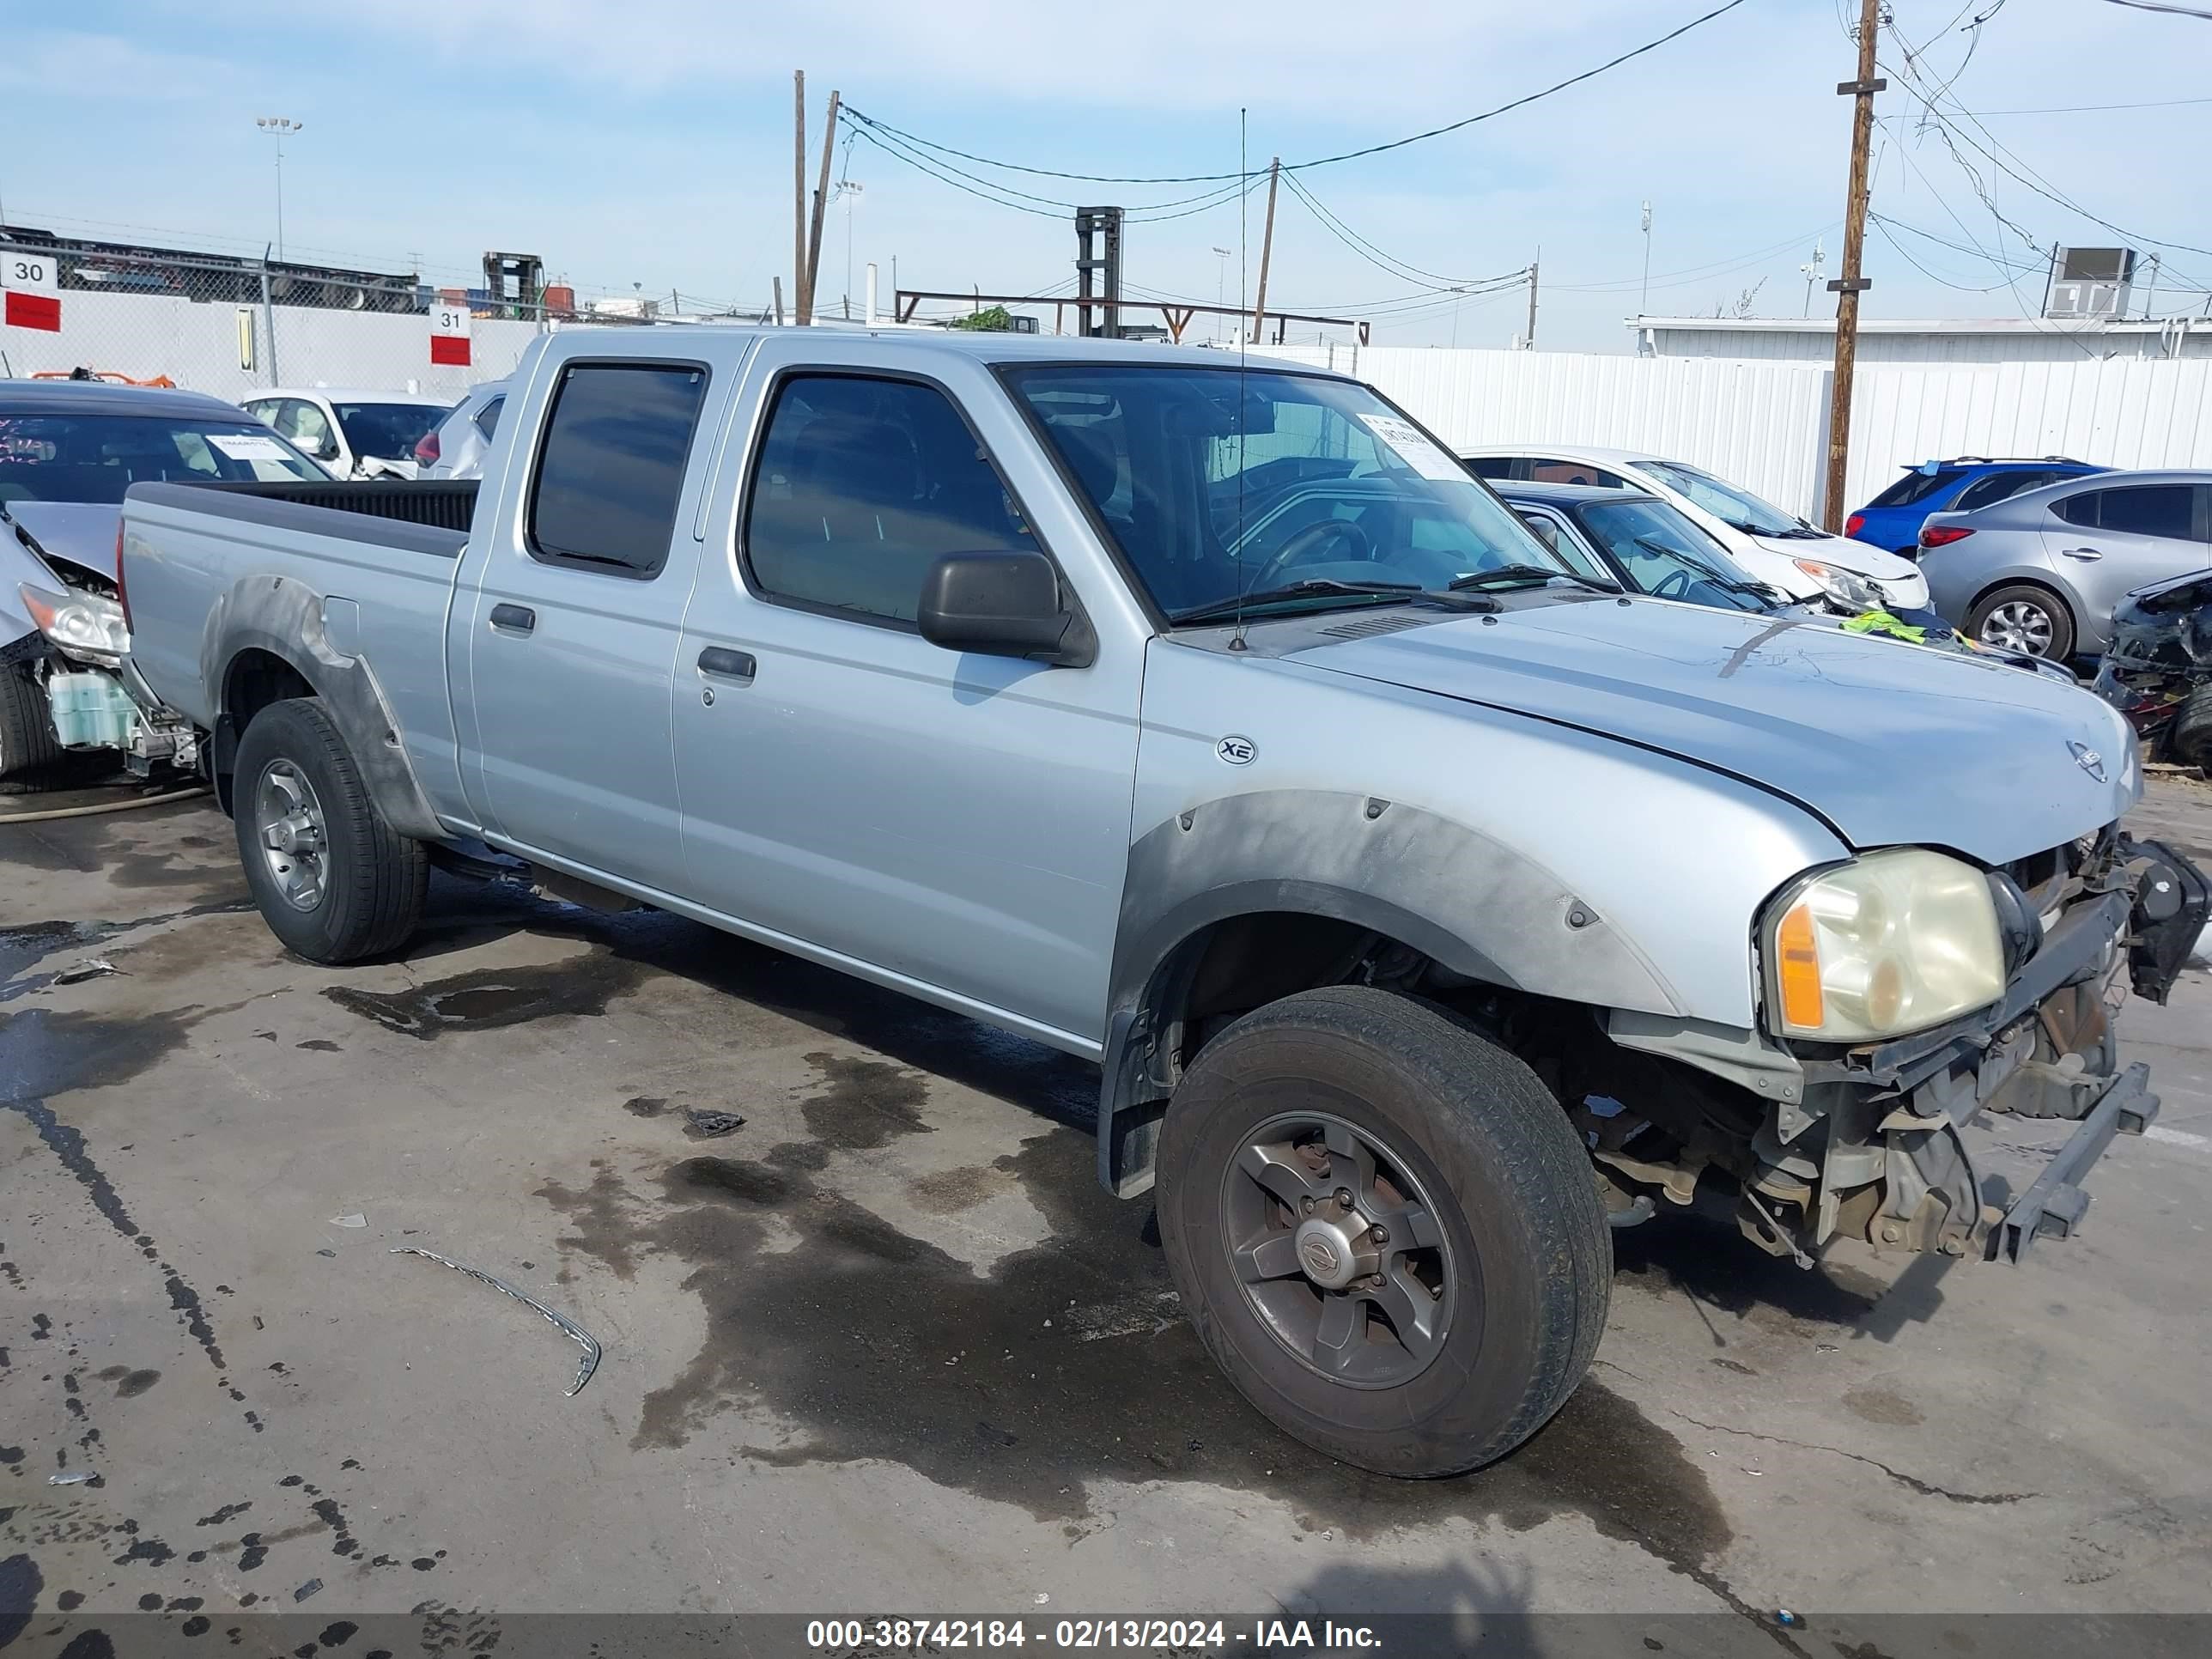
(2054, 1206)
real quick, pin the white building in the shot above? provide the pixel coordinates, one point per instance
(1993, 340)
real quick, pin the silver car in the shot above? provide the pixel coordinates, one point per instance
(455, 447)
(2041, 571)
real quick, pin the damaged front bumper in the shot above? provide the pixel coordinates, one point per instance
(1876, 1151)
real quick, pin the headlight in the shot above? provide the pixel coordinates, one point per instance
(1895, 942)
(1844, 586)
(83, 624)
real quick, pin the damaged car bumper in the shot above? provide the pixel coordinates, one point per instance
(1894, 1167)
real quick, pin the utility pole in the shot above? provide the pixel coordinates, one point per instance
(1530, 343)
(821, 201)
(1850, 284)
(1267, 250)
(798, 196)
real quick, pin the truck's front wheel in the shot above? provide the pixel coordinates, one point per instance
(332, 879)
(1384, 1228)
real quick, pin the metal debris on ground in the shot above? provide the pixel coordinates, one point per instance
(705, 1126)
(349, 1221)
(97, 967)
(577, 1332)
(73, 1477)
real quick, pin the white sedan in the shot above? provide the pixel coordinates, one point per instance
(1778, 548)
(352, 434)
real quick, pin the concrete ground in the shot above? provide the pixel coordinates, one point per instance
(887, 1345)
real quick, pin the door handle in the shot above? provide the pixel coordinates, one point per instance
(515, 618)
(727, 665)
(2087, 555)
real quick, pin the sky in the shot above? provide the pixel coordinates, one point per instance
(646, 145)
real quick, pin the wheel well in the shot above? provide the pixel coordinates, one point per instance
(254, 679)
(1223, 971)
(2056, 598)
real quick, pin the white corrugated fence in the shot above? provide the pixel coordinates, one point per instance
(1765, 424)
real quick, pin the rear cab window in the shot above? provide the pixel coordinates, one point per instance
(609, 473)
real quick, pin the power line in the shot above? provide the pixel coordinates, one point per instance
(1996, 153)
(992, 190)
(2153, 5)
(1387, 263)
(1883, 228)
(1318, 161)
(2086, 109)
(1996, 259)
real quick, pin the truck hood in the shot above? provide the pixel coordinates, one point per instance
(1890, 744)
(75, 533)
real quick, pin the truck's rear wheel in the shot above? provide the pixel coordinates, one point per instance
(1384, 1228)
(332, 879)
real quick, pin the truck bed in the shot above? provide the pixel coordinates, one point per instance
(364, 573)
(437, 503)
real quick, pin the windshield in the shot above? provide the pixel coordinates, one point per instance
(1214, 482)
(95, 458)
(387, 431)
(1738, 509)
(1666, 555)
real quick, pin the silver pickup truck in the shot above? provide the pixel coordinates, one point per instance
(1430, 910)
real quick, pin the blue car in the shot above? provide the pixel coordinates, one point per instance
(1891, 519)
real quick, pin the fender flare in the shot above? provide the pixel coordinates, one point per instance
(286, 618)
(1470, 903)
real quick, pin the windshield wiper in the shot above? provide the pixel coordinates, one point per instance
(1509, 575)
(1310, 588)
(1705, 572)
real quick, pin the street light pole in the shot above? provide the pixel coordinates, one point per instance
(848, 189)
(279, 127)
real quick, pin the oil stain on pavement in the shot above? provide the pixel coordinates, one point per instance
(1068, 1363)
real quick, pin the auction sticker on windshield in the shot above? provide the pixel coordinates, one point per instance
(249, 446)
(1407, 443)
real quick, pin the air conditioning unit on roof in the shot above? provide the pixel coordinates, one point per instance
(2089, 282)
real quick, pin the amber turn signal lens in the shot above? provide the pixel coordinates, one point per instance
(1797, 972)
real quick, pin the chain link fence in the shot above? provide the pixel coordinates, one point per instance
(231, 326)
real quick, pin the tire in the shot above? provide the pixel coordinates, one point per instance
(2190, 740)
(357, 884)
(1521, 1281)
(2012, 606)
(31, 755)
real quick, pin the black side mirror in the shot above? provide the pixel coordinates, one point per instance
(1003, 605)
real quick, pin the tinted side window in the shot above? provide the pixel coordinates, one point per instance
(2080, 509)
(1491, 466)
(862, 484)
(1917, 486)
(1997, 486)
(2147, 510)
(611, 467)
(487, 418)
(1542, 470)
